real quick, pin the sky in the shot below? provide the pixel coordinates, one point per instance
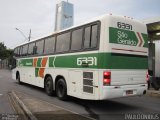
(39, 15)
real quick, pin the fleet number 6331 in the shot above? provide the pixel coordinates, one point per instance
(91, 61)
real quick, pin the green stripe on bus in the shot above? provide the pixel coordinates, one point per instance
(36, 71)
(122, 62)
(39, 62)
(104, 61)
(71, 61)
(96, 61)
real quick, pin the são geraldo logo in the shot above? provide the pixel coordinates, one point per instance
(124, 39)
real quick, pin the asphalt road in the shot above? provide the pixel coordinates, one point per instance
(115, 108)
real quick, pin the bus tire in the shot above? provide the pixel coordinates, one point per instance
(18, 79)
(61, 89)
(49, 86)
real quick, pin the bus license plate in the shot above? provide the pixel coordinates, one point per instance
(129, 92)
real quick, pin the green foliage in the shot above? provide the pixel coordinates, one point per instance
(4, 52)
(2, 46)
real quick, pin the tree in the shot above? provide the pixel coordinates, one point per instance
(2, 46)
(4, 52)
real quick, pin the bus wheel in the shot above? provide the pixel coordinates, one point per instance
(49, 86)
(61, 89)
(18, 79)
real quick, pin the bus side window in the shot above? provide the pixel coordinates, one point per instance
(49, 45)
(91, 36)
(63, 42)
(30, 48)
(35, 50)
(94, 35)
(87, 37)
(20, 51)
(76, 43)
(25, 49)
(39, 47)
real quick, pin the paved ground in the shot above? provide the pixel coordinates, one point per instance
(37, 109)
(103, 110)
(4, 101)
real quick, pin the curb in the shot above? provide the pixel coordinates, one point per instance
(153, 93)
(27, 112)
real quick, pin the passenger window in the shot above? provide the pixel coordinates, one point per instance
(30, 48)
(49, 45)
(34, 50)
(20, 51)
(77, 39)
(87, 37)
(24, 50)
(39, 47)
(90, 36)
(63, 42)
(94, 36)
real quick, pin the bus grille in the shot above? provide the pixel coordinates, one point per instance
(88, 82)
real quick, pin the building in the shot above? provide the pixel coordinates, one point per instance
(153, 27)
(64, 15)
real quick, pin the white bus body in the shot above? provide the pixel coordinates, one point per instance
(113, 66)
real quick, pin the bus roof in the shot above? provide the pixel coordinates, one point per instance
(86, 22)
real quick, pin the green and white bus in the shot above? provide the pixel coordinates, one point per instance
(104, 58)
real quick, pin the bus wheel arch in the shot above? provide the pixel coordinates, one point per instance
(61, 87)
(48, 84)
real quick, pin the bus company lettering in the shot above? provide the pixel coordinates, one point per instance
(28, 64)
(123, 39)
(87, 60)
